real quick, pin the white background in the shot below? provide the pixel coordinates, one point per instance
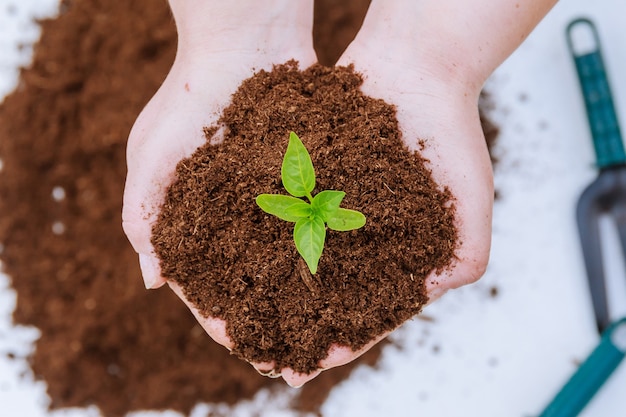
(479, 355)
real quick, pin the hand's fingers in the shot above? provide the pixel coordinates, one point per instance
(340, 355)
(459, 160)
(167, 130)
(266, 369)
(337, 356)
(151, 271)
(216, 328)
(295, 379)
(151, 169)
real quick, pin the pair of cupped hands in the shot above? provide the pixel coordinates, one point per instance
(404, 63)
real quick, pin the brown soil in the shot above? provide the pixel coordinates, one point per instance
(237, 263)
(105, 341)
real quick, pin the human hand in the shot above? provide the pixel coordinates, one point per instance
(436, 102)
(430, 59)
(439, 107)
(220, 45)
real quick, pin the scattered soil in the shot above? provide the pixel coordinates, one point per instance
(105, 340)
(239, 264)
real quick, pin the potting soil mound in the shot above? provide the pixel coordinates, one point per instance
(237, 263)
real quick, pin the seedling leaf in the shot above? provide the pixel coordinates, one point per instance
(284, 207)
(345, 219)
(309, 235)
(297, 170)
(326, 203)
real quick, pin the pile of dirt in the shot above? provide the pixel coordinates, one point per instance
(105, 340)
(239, 264)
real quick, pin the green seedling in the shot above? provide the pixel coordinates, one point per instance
(312, 217)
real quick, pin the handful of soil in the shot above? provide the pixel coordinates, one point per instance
(237, 263)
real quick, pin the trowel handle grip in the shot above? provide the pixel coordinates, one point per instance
(591, 375)
(603, 122)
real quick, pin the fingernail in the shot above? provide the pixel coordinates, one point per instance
(148, 270)
(270, 374)
(294, 384)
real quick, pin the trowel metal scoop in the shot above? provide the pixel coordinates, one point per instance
(606, 196)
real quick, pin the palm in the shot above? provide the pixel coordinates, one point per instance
(445, 118)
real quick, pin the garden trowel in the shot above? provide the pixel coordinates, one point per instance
(606, 196)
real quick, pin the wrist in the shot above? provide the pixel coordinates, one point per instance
(405, 35)
(458, 41)
(247, 26)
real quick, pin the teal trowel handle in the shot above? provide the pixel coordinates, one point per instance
(591, 375)
(607, 139)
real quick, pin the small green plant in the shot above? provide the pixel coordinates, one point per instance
(311, 217)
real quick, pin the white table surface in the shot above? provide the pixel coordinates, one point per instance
(481, 355)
